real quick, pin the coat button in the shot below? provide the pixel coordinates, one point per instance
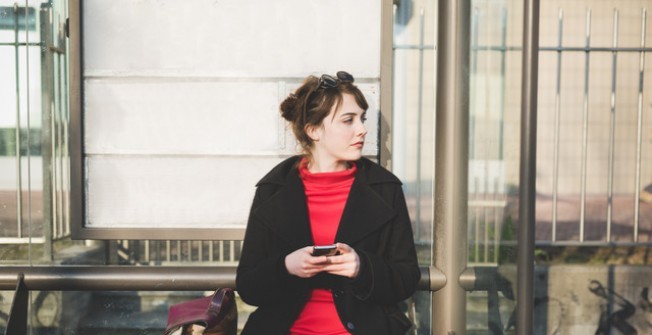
(350, 325)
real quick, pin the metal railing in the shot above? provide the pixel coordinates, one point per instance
(144, 278)
(488, 216)
(588, 49)
(154, 252)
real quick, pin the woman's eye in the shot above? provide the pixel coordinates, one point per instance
(364, 118)
(348, 120)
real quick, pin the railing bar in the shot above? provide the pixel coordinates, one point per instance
(503, 72)
(147, 258)
(639, 133)
(591, 244)
(585, 126)
(178, 251)
(210, 250)
(59, 162)
(28, 140)
(565, 49)
(413, 47)
(65, 146)
(20, 44)
(21, 240)
(473, 79)
(232, 251)
(476, 227)
(598, 49)
(612, 126)
(19, 185)
(417, 216)
(486, 232)
(221, 246)
(167, 251)
(157, 252)
(555, 159)
(497, 229)
(516, 48)
(132, 278)
(486, 137)
(200, 251)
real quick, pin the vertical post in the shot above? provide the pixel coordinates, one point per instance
(555, 159)
(75, 144)
(639, 123)
(612, 126)
(585, 124)
(47, 131)
(386, 65)
(451, 164)
(417, 214)
(525, 260)
(19, 168)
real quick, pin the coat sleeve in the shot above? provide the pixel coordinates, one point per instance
(392, 274)
(261, 276)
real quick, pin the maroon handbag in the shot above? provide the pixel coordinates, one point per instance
(217, 313)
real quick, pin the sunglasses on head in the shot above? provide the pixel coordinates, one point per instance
(327, 81)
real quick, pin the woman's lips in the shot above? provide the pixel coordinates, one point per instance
(358, 144)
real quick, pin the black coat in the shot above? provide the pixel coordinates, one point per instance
(375, 223)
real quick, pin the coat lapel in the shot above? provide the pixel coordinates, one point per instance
(286, 213)
(365, 212)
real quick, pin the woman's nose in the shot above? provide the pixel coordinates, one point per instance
(362, 131)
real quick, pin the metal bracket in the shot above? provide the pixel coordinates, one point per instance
(17, 322)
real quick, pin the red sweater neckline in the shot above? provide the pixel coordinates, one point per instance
(328, 178)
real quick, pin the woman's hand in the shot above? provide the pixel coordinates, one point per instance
(346, 264)
(303, 264)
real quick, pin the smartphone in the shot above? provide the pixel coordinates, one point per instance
(325, 250)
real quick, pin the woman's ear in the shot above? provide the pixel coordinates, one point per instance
(312, 132)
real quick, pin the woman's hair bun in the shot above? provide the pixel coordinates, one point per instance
(289, 107)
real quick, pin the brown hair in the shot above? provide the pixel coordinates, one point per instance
(317, 103)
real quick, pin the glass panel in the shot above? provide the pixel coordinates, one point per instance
(413, 130)
(21, 213)
(495, 87)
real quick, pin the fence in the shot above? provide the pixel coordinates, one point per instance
(491, 202)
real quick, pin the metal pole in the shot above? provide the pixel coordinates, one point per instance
(417, 214)
(525, 259)
(147, 278)
(450, 238)
(585, 125)
(612, 126)
(46, 131)
(386, 66)
(19, 183)
(555, 159)
(639, 133)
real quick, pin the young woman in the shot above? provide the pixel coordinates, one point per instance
(328, 195)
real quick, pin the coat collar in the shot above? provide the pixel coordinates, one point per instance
(286, 213)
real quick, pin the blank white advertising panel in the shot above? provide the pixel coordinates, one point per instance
(180, 100)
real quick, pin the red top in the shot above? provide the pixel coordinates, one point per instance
(326, 194)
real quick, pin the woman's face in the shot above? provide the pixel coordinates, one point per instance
(339, 139)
